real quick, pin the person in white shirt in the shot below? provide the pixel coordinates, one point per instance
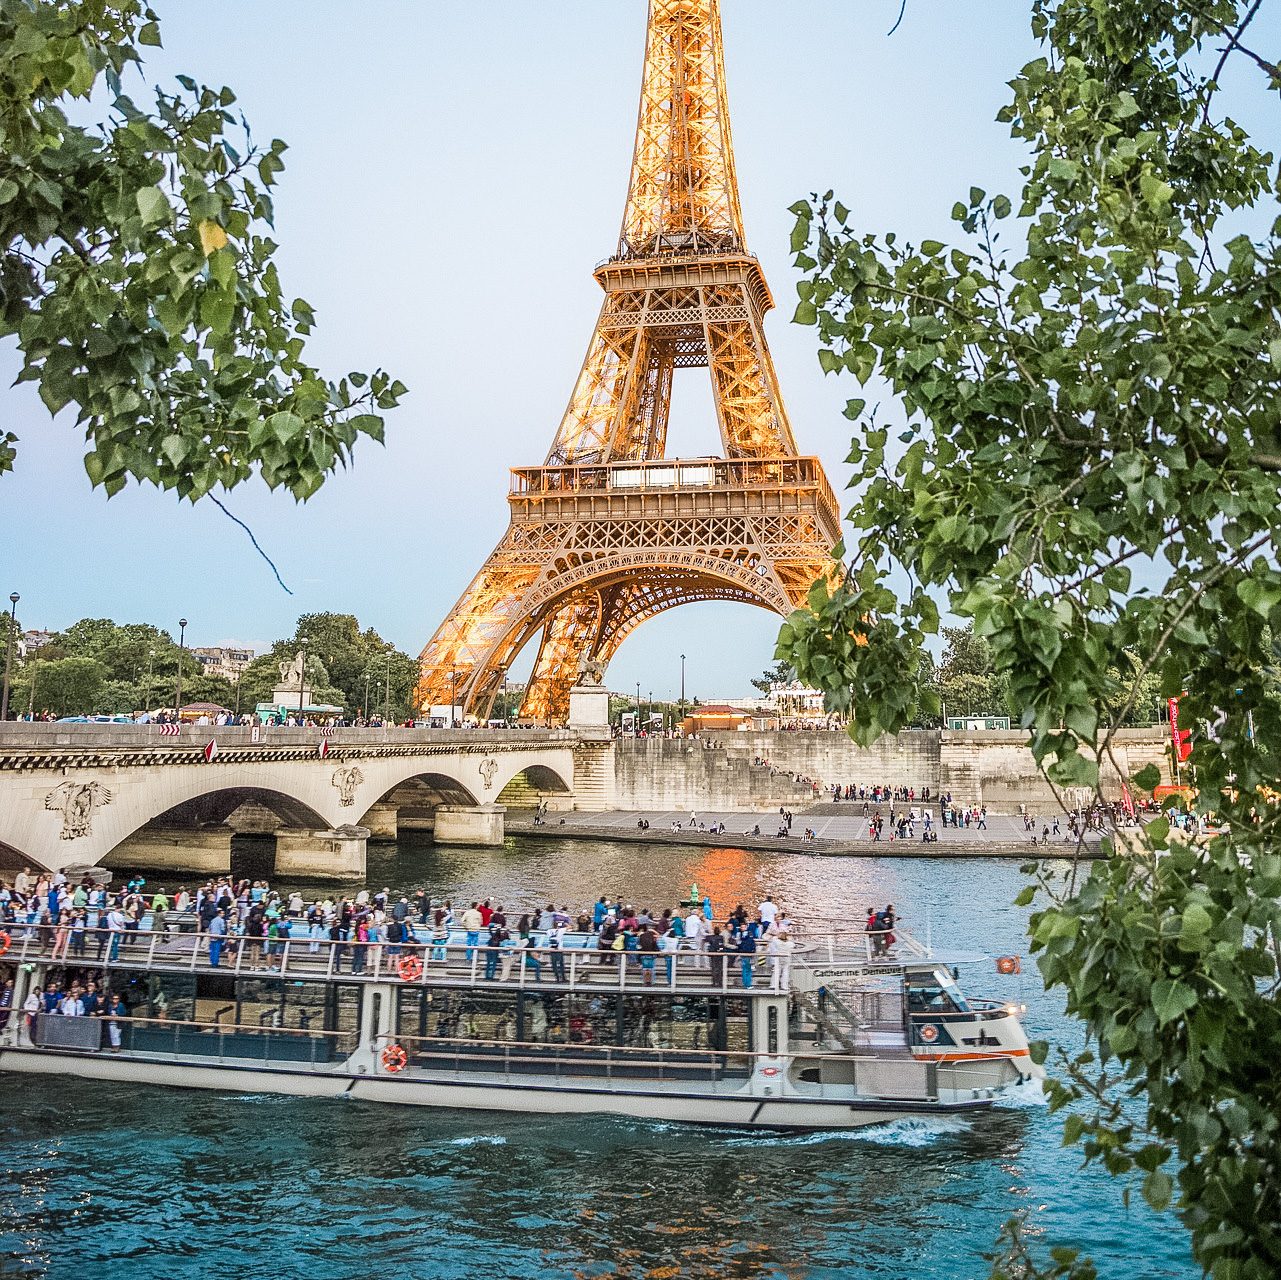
(670, 943)
(780, 958)
(72, 1006)
(695, 930)
(767, 911)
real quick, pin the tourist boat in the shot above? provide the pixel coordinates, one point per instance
(856, 1038)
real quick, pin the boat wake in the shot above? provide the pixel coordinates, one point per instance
(479, 1140)
(1029, 1094)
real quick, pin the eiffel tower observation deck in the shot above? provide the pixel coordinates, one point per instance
(610, 531)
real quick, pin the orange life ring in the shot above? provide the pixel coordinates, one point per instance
(929, 1033)
(5, 942)
(1008, 964)
(410, 968)
(395, 1058)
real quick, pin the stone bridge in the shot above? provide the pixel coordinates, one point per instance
(131, 795)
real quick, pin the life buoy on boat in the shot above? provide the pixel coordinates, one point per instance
(395, 1058)
(410, 968)
(1008, 964)
(929, 1033)
(5, 942)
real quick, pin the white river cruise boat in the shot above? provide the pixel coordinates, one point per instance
(853, 1037)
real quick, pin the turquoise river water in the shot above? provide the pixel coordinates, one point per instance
(133, 1182)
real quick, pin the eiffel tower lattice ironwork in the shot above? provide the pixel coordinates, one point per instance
(610, 532)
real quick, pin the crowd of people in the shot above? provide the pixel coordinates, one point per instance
(87, 924)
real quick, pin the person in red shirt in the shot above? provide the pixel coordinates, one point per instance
(486, 913)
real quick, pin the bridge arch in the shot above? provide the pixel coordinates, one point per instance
(602, 600)
(13, 860)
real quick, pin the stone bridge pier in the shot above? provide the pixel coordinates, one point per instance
(128, 796)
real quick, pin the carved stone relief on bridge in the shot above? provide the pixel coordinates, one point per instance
(487, 770)
(347, 778)
(76, 801)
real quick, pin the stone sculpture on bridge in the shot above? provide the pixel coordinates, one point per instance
(347, 778)
(291, 672)
(76, 801)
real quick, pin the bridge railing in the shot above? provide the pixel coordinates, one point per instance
(92, 737)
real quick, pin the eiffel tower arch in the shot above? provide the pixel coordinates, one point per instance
(609, 531)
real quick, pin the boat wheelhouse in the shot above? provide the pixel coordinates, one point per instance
(849, 1036)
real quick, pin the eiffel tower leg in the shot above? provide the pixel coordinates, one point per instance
(570, 635)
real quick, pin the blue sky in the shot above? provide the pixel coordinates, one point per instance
(454, 172)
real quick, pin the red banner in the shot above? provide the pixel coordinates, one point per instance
(1182, 739)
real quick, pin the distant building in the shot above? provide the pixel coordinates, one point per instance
(33, 640)
(226, 662)
(715, 717)
(796, 702)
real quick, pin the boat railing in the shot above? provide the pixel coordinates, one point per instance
(866, 1075)
(840, 939)
(557, 1057)
(407, 963)
(184, 1038)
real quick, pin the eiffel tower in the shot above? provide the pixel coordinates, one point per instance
(609, 531)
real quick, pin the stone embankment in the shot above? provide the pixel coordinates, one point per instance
(750, 771)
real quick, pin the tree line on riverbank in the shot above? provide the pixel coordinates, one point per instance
(98, 666)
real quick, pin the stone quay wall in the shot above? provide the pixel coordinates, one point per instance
(723, 772)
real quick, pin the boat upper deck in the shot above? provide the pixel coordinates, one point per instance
(454, 963)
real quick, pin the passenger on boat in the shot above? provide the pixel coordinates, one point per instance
(715, 957)
(779, 950)
(472, 922)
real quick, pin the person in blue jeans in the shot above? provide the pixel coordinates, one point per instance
(747, 956)
(493, 950)
(217, 933)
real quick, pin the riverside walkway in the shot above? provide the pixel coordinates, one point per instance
(839, 831)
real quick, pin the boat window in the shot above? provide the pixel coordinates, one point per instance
(170, 996)
(773, 1028)
(954, 992)
(342, 1006)
(457, 1015)
(934, 993)
(661, 1022)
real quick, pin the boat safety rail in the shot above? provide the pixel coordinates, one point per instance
(188, 1037)
(456, 962)
(840, 936)
(467, 1053)
(395, 1053)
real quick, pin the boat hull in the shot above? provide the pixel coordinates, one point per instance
(525, 1096)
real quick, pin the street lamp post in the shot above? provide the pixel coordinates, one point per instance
(368, 673)
(453, 695)
(682, 704)
(387, 693)
(636, 727)
(182, 649)
(8, 653)
(31, 696)
(302, 680)
(151, 658)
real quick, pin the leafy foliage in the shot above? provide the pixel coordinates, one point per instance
(351, 667)
(137, 275)
(1104, 397)
(1015, 1259)
(779, 673)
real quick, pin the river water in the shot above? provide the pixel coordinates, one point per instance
(143, 1182)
